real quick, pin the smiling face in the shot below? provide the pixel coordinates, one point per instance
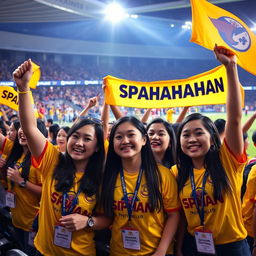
(12, 133)
(22, 138)
(195, 141)
(61, 139)
(159, 138)
(128, 141)
(82, 143)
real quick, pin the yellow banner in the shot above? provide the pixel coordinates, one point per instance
(208, 88)
(35, 76)
(9, 97)
(212, 24)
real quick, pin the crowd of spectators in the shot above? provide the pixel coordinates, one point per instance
(70, 67)
(63, 103)
(96, 67)
(135, 69)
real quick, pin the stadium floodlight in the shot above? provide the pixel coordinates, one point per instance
(134, 16)
(115, 12)
(253, 29)
(187, 25)
(172, 25)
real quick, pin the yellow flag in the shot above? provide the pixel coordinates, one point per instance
(9, 97)
(212, 24)
(35, 76)
(208, 88)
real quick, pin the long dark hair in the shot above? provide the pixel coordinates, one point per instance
(17, 151)
(64, 173)
(53, 129)
(2, 127)
(64, 128)
(212, 161)
(170, 153)
(114, 165)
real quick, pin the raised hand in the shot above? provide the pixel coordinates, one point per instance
(93, 101)
(22, 75)
(224, 55)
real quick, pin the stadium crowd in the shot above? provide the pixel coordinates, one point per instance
(60, 177)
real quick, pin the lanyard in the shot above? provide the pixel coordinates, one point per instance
(192, 179)
(129, 205)
(74, 202)
(18, 166)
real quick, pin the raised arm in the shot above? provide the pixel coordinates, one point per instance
(105, 119)
(5, 118)
(36, 140)
(233, 129)
(146, 115)
(247, 125)
(91, 103)
(182, 115)
(116, 111)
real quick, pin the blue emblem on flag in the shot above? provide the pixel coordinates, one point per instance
(233, 33)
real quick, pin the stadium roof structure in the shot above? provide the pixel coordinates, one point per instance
(78, 27)
(16, 11)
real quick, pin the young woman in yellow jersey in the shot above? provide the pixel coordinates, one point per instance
(162, 141)
(24, 184)
(210, 175)
(137, 194)
(70, 181)
(162, 137)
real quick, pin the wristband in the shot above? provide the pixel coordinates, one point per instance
(23, 92)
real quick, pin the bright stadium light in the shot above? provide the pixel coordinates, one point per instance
(134, 16)
(115, 12)
(187, 25)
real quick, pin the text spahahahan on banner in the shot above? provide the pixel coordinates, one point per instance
(209, 88)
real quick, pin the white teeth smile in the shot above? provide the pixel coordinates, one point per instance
(193, 146)
(78, 150)
(155, 143)
(126, 147)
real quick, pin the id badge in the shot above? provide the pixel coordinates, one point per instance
(10, 199)
(204, 241)
(31, 237)
(62, 237)
(131, 238)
